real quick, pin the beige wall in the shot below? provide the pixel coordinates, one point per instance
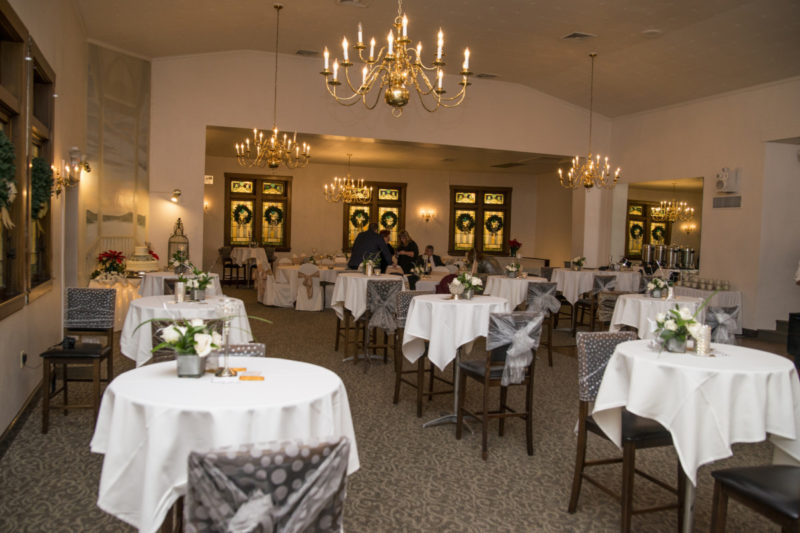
(537, 220)
(58, 31)
(698, 139)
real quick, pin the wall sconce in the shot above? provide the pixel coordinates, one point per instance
(688, 227)
(77, 163)
(427, 214)
(176, 194)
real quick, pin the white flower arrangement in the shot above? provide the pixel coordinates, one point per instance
(513, 267)
(191, 337)
(657, 284)
(465, 282)
(418, 269)
(578, 261)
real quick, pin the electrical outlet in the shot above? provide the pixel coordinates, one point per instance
(23, 358)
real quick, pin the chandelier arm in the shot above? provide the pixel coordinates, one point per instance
(374, 104)
(448, 101)
(429, 88)
(344, 100)
(347, 79)
(425, 105)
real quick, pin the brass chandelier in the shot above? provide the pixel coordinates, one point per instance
(395, 68)
(271, 150)
(672, 211)
(347, 189)
(593, 171)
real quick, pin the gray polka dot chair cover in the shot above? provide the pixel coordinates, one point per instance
(287, 487)
(594, 351)
(403, 303)
(520, 332)
(542, 298)
(722, 321)
(382, 303)
(89, 308)
(248, 349)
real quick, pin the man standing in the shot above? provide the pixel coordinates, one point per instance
(367, 243)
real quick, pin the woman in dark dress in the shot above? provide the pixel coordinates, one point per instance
(407, 252)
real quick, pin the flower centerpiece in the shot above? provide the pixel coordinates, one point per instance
(370, 263)
(109, 263)
(514, 245)
(675, 326)
(191, 341)
(418, 269)
(657, 287)
(464, 286)
(513, 270)
(198, 284)
(577, 262)
(180, 262)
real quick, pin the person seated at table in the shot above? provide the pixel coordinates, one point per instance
(407, 252)
(486, 264)
(430, 259)
(368, 242)
(386, 234)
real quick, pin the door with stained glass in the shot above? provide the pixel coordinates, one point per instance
(480, 218)
(258, 210)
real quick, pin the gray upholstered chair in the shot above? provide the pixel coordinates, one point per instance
(286, 487)
(589, 301)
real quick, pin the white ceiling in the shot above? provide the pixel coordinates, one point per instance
(704, 47)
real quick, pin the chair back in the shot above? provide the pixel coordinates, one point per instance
(546, 272)
(253, 488)
(443, 286)
(250, 349)
(603, 283)
(169, 285)
(643, 281)
(382, 303)
(452, 269)
(89, 309)
(512, 340)
(606, 302)
(225, 253)
(542, 298)
(594, 351)
(308, 269)
(722, 321)
(442, 268)
(403, 303)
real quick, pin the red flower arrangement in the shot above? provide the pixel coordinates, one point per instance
(153, 254)
(514, 244)
(109, 262)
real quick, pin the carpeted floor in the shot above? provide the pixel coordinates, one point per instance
(411, 479)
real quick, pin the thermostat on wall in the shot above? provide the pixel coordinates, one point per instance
(208, 179)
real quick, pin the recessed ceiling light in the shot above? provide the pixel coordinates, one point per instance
(578, 35)
(487, 75)
(652, 32)
(353, 3)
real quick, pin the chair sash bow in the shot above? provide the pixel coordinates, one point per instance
(308, 282)
(521, 340)
(723, 324)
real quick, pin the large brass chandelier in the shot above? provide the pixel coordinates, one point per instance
(593, 171)
(347, 189)
(273, 149)
(672, 211)
(396, 68)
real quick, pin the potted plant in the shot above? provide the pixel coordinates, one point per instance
(675, 326)
(513, 269)
(514, 245)
(657, 287)
(465, 286)
(192, 341)
(577, 262)
(109, 263)
(198, 284)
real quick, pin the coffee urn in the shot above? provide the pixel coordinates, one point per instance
(647, 253)
(687, 258)
(673, 257)
(660, 254)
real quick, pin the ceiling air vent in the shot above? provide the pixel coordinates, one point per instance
(307, 53)
(353, 3)
(487, 76)
(578, 35)
(727, 201)
(509, 165)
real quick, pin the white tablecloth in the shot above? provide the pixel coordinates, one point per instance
(137, 343)
(707, 403)
(515, 290)
(127, 291)
(350, 292)
(241, 254)
(721, 299)
(447, 324)
(635, 309)
(150, 420)
(429, 282)
(288, 274)
(573, 283)
(153, 284)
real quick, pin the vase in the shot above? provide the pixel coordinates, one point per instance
(180, 291)
(513, 252)
(467, 294)
(576, 267)
(190, 365)
(655, 293)
(198, 295)
(676, 345)
(369, 269)
(511, 274)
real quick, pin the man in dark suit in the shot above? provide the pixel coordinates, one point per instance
(368, 242)
(429, 259)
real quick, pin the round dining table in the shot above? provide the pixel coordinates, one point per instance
(515, 290)
(350, 292)
(137, 342)
(150, 420)
(640, 311)
(573, 283)
(153, 283)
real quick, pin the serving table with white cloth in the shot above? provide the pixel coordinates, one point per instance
(127, 291)
(150, 420)
(242, 254)
(720, 299)
(515, 290)
(137, 344)
(639, 311)
(153, 283)
(706, 403)
(289, 274)
(350, 292)
(573, 283)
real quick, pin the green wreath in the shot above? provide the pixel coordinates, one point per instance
(636, 228)
(41, 187)
(494, 224)
(388, 220)
(465, 222)
(658, 233)
(238, 211)
(8, 187)
(359, 218)
(278, 215)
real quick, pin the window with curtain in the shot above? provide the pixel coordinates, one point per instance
(480, 218)
(258, 210)
(387, 207)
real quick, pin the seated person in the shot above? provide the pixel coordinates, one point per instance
(407, 252)
(386, 234)
(366, 243)
(486, 264)
(429, 259)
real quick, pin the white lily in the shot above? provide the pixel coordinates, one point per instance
(196, 322)
(202, 343)
(170, 334)
(670, 325)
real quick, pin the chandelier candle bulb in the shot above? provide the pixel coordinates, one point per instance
(325, 55)
(390, 38)
(439, 45)
(344, 49)
(372, 50)
(335, 69)
(405, 26)
(466, 59)
(360, 37)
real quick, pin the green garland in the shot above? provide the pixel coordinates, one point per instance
(658, 233)
(494, 224)
(278, 215)
(636, 229)
(41, 187)
(465, 222)
(237, 214)
(388, 220)
(8, 187)
(359, 218)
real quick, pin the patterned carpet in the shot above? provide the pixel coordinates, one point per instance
(411, 479)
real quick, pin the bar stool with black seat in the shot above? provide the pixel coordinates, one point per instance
(380, 316)
(594, 352)
(771, 490)
(510, 358)
(589, 301)
(89, 312)
(542, 299)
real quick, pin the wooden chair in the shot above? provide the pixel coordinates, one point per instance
(547, 273)
(380, 315)
(594, 351)
(771, 490)
(89, 312)
(542, 299)
(489, 372)
(606, 302)
(589, 301)
(231, 272)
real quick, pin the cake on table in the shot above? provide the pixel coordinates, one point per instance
(142, 260)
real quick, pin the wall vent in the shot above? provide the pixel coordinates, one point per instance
(727, 201)
(353, 3)
(487, 76)
(578, 35)
(509, 165)
(307, 53)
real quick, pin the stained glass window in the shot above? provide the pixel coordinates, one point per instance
(493, 231)
(242, 187)
(271, 187)
(465, 197)
(479, 218)
(464, 229)
(494, 198)
(389, 219)
(241, 221)
(273, 223)
(358, 221)
(389, 194)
